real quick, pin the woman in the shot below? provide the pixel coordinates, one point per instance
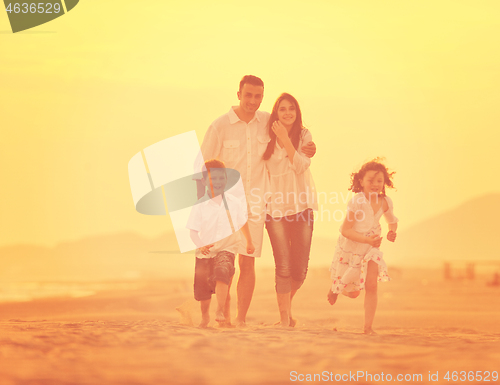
(289, 220)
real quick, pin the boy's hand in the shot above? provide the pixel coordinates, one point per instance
(250, 248)
(391, 236)
(309, 149)
(374, 240)
(206, 249)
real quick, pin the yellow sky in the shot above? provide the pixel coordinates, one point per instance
(415, 82)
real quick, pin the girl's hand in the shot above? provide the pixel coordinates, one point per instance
(206, 249)
(391, 236)
(250, 248)
(280, 130)
(374, 240)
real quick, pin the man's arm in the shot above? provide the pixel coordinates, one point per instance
(309, 149)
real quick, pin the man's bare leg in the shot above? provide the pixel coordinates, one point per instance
(245, 287)
(205, 313)
(227, 306)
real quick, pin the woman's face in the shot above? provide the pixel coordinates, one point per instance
(287, 113)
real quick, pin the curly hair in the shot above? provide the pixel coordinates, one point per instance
(374, 165)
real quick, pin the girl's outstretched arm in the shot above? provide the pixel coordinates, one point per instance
(353, 235)
(391, 235)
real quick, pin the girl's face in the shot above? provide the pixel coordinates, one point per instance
(372, 183)
(287, 113)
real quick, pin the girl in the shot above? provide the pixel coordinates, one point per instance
(357, 261)
(289, 219)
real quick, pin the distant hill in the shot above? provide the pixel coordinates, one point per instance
(470, 231)
(104, 257)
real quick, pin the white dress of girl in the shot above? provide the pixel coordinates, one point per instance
(350, 259)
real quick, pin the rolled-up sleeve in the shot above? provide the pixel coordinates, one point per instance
(389, 214)
(300, 161)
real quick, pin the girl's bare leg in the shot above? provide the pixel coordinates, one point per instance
(370, 296)
(221, 290)
(332, 298)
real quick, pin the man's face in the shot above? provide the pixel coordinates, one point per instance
(250, 98)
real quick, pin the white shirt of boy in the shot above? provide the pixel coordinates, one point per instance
(210, 219)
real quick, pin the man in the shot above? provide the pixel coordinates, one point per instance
(239, 139)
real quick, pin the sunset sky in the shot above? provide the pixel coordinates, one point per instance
(416, 82)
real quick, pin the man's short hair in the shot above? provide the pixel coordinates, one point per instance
(250, 79)
(212, 163)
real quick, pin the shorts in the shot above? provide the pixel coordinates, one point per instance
(208, 271)
(256, 228)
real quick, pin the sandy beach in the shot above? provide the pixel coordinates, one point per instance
(133, 335)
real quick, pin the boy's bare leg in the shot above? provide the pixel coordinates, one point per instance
(245, 287)
(370, 296)
(205, 313)
(221, 291)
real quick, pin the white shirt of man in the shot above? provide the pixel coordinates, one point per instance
(240, 146)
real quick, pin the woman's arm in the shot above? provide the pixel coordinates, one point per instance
(348, 232)
(282, 134)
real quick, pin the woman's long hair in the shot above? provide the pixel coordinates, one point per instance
(294, 133)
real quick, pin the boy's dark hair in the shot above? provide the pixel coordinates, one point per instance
(250, 79)
(374, 165)
(212, 163)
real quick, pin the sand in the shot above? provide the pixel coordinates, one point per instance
(132, 334)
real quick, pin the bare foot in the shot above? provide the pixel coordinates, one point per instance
(185, 314)
(351, 294)
(204, 322)
(227, 324)
(219, 317)
(292, 323)
(369, 332)
(332, 298)
(240, 324)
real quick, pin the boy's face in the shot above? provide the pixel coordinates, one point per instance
(216, 181)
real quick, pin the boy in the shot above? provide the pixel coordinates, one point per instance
(214, 222)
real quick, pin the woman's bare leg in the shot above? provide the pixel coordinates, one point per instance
(284, 308)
